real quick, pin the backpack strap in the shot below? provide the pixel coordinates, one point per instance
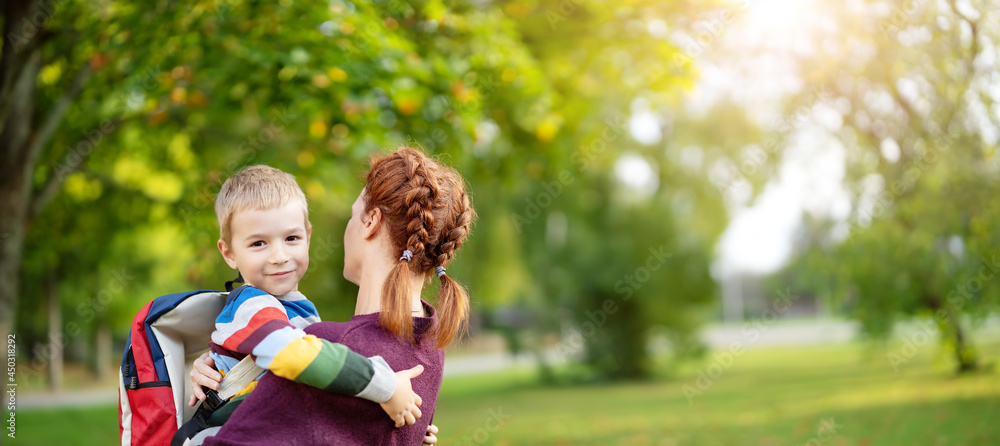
(244, 373)
(197, 423)
(238, 279)
(239, 377)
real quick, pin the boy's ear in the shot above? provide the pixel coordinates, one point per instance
(371, 226)
(227, 254)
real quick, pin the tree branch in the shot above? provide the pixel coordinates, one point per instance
(54, 118)
(57, 176)
(71, 162)
(20, 51)
(970, 62)
(973, 27)
(24, 77)
(914, 116)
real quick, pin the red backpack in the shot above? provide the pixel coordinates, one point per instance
(154, 384)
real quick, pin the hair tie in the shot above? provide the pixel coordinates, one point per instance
(407, 255)
(440, 271)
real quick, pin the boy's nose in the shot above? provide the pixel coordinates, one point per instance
(278, 254)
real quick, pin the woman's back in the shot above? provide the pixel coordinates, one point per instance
(280, 411)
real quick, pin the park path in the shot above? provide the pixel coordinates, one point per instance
(716, 336)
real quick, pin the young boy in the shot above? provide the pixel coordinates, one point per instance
(265, 235)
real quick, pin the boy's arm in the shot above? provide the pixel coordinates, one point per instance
(327, 365)
(256, 323)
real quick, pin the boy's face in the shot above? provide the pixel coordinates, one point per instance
(269, 247)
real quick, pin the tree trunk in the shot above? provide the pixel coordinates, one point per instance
(56, 341)
(965, 355)
(22, 140)
(102, 356)
(19, 66)
(617, 345)
(11, 246)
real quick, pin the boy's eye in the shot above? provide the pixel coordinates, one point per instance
(292, 238)
(257, 244)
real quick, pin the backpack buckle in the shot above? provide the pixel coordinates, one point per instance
(212, 399)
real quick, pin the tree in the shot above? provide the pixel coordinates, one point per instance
(920, 129)
(23, 138)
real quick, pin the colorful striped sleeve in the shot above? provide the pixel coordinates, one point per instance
(334, 368)
(257, 323)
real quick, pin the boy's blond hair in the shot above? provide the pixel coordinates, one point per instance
(256, 188)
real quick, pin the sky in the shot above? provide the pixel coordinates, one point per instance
(769, 33)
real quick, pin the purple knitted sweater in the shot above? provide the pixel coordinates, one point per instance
(284, 412)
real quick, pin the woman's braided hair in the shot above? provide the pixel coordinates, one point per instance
(428, 212)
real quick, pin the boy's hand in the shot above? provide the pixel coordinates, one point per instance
(203, 374)
(403, 407)
(430, 438)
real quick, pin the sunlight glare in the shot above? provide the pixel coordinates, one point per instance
(787, 24)
(635, 172)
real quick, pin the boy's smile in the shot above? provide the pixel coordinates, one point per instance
(270, 247)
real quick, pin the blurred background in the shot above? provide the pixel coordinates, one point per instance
(749, 222)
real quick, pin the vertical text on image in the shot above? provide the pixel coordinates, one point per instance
(11, 392)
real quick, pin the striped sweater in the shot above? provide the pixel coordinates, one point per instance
(271, 329)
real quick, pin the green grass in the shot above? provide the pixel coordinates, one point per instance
(90, 426)
(839, 395)
(833, 395)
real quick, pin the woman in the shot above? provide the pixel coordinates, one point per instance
(407, 223)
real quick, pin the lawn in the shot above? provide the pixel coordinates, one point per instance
(843, 395)
(834, 395)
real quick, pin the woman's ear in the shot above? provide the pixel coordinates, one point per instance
(371, 225)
